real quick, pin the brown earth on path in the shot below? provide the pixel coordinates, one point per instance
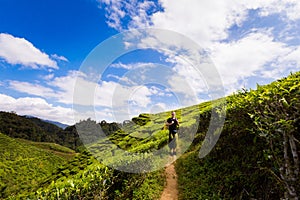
(170, 192)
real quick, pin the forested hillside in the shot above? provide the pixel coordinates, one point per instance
(34, 129)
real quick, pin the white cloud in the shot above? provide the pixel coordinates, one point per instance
(294, 56)
(121, 65)
(32, 89)
(131, 66)
(16, 50)
(37, 107)
(132, 11)
(59, 89)
(140, 96)
(48, 77)
(107, 100)
(203, 21)
(247, 56)
(57, 57)
(254, 51)
(207, 22)
(289, 62)
(125, 80)
(159, 92)
(159, 107)
(104, 94)
(288, 8)
(65, 86)
(208, 19)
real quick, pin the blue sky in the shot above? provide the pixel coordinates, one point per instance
(45, 45)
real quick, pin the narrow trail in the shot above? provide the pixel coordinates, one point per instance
(170, 191)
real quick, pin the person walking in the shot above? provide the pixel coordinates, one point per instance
(173, 125)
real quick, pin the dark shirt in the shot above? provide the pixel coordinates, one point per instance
(174, 125)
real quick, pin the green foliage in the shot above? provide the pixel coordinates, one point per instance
(109, 128)
(34, 129)
(56, 148)
(142, 119)
(24, 165)
(151, 186)
(258, 145)
(247, 160)
(84, 176)
(94, 181)
(20, 127)
(274, 109)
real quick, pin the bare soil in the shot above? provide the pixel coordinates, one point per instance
(170, 191)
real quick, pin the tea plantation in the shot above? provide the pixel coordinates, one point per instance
(256, 156)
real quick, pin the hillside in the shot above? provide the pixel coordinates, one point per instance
(60, 125)
(47, 170)
(25, 164)
(256, 156)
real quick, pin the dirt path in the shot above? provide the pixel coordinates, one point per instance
(170, 192)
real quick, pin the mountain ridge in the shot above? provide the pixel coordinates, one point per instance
(57, 123)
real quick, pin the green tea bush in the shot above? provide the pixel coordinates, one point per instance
(257, 154)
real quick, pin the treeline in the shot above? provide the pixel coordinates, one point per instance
(35, 129)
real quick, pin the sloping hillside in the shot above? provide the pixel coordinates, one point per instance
(257, 155)
(25, 164)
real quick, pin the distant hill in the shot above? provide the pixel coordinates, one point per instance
(38, 130)
(61, 125)
(35, 129)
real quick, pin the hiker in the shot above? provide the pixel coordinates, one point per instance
(173, 125)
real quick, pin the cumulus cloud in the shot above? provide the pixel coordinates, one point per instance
(32, 89)
(248, 56)
(16, 50)
(240, 48)
(140, 96)
(108, 100)
(288, 8)
(36, 107)
(104, 95)
(39, 107)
